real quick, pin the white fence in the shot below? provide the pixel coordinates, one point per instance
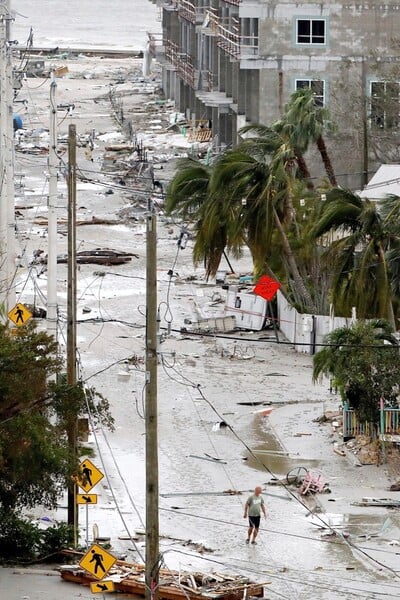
(303, 330)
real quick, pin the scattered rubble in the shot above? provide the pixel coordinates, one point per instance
(365, 449)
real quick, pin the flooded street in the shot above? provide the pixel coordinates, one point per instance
(309, 547)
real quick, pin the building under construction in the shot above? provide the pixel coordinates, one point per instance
(228, 63)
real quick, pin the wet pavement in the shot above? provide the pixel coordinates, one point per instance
(294, 555)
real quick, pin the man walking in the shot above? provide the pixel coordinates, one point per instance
(253, 507)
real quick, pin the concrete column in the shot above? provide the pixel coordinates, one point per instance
(215, 124)
(222, 72)
(229, 78)
(240, 100)
(235, 81)
(234, 130)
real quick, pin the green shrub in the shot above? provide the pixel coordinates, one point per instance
(54, 539)
(22, 541)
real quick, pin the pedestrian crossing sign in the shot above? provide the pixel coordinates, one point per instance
(97, 561)
(88, 476)
(19, 315)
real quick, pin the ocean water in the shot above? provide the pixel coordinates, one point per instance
(85, 23)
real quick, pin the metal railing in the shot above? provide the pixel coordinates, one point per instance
(230, 39)
(182, 62)
(190, 12)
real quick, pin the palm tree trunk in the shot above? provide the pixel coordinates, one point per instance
(326, 160)
(389, 312)
(298, 280)
(303, 168)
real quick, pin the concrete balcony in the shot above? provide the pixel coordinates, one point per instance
(215, 99)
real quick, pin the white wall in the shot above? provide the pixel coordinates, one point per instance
(302, 329)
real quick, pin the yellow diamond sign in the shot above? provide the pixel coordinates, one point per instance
(97, 561)
(19, 315)
(88, 476)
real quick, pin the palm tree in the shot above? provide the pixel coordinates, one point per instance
(263, 189)
(307, 122)
(188, 190)
(362, 360)
(247, 197)
(271, 140)
(190, 199)
(390, 211)
(361, 275)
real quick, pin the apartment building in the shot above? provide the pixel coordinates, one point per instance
(228, 63)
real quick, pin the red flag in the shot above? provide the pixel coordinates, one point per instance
(266, 287)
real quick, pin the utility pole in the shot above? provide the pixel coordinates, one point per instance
(7, 192)
(52, 218)
(364, 100)
(71, 317)
(151, 419)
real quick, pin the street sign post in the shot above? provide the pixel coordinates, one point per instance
(97, 561)
(19, 315)
(86, 499)
(102, 586)
(88, 476)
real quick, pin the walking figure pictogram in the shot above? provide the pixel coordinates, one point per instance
(97, 561)
(87, 474)
(97, 558)
(19, 314)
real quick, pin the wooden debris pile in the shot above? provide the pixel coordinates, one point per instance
(173, 585)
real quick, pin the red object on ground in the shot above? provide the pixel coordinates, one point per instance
(266, 287)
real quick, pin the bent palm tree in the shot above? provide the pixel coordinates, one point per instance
(361, 276)
(188, 197)
(308, 122)
(390, 212)
(271, 140)
(262, 190)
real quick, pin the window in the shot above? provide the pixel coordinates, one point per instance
(384, 104)
(310, 31)
(249, 30)
(316, 85)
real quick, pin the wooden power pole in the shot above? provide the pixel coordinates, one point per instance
(7, 191)
(151, 420)
(71, 317)
(52, 218)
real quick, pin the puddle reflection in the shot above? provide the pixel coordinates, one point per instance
(270, 455)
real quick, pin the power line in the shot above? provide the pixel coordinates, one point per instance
(288, 490)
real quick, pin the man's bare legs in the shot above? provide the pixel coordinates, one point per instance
(252, 531)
